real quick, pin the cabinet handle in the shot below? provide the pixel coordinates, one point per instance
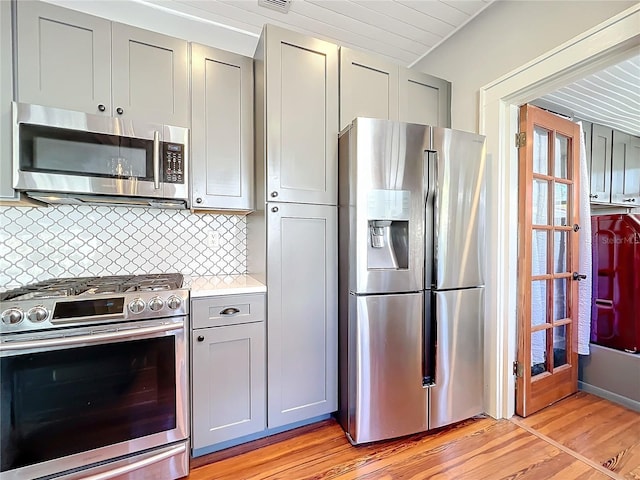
(593, 195)
(629, 200)
(156, 159)
(229, 311)
(201, 338)
(274, 209)
(102, 108)
(274, 194)
(119, 111)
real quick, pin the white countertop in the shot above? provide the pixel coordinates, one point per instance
(213, 285)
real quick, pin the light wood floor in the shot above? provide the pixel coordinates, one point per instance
(582, 437)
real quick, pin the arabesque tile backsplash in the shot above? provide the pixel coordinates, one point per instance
(70, 241)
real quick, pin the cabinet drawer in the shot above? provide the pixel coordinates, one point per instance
(227, 310)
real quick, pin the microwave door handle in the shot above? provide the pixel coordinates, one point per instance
(156, 160)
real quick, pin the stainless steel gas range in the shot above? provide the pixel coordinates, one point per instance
(94, 379)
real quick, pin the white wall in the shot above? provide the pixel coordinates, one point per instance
(504, 36)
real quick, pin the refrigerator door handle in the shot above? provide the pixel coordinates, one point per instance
(429, 341)
(431, 186)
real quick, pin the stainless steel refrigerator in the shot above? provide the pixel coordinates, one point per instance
(411, 259)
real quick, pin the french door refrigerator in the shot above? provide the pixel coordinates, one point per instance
(411, 305)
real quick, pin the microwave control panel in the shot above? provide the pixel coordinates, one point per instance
(173, 162)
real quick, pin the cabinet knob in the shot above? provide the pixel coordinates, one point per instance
(102, 108)
(274, 194)
(198, 200)
(119, 111)
(274, 209)
(201, 338)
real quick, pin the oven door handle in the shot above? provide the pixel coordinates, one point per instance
(145, 462)
(90, 338)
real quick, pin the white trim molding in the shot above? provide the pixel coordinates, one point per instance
(610, 42)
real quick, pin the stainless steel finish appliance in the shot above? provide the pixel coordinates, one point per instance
(94, 379)
(411, 211)
(62, 156)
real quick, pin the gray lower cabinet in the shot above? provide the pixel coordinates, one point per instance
(625, 170)
(227, 368)
(76, 61)
(373, 87)
(297, 116)
(302, 312)
(221, 130)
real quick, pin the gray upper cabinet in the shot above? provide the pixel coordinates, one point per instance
(63, 58)
(302, 328)
(222, 130)
(75, 61)
(368, 87)
(6, 94)
(150, 75)
(601, 138)
(299, 116)
(625, 169)
(424, 99)
(373, 87)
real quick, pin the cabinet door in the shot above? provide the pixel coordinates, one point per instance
(6, 96)
(150, 76)
(301, 118)
(302, 312)
(424, 99)
(625, 169)
(601, 138)
(222, 129)
(64, 58)
(228, 374)
(368, 87)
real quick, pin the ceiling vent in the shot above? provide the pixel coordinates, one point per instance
(281, 6)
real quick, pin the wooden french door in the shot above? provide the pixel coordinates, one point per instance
(549, 173)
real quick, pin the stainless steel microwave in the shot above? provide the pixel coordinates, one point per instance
(62, 156)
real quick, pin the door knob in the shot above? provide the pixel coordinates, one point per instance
(578, 276)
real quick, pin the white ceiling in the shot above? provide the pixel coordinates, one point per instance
(401, 31)
(610, 97)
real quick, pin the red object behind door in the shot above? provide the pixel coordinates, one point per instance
(615, 312)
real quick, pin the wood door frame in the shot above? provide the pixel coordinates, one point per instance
(599, 47)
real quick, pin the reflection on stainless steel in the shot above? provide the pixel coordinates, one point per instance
(97, 371)
(411, 201)
(77, 154)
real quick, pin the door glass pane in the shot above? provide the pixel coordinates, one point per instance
(540, 202)
(538, 302)
(540, 151)
(559, 298)
(562, 152)
(559, 252)
(559, 345)
(561, 204)
(539, 252)
(539, 353)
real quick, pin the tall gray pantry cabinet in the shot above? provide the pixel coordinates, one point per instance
(292, 235)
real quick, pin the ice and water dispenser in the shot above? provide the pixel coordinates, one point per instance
(388, 223)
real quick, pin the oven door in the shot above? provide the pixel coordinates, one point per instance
(92, 395)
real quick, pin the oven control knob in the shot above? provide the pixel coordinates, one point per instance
(174, 302)
(11, 316)
(136, 305)
(156, 303)
(37, 314)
